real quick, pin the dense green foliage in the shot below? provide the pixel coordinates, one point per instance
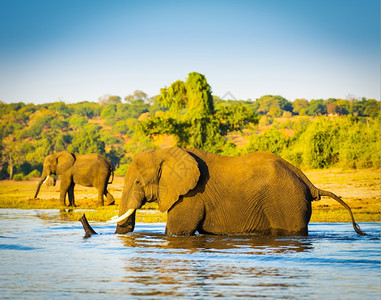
(347, 142)
(191, 116)
(311, 134)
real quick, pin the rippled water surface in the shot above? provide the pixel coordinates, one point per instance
(42, 257)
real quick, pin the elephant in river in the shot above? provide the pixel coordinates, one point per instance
(258, 193)
(90, 170)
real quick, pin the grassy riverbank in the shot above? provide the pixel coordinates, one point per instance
(360, 189)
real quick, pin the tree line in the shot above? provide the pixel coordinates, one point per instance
(311, 134)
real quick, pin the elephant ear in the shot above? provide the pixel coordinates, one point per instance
(64, 161)
(179, 173)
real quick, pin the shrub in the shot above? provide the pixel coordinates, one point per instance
(360, 144)
(34, 173)
(272, 141)
(18, 177)
(346, 142)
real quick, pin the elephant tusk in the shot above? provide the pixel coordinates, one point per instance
(46, 179)
(117, 219)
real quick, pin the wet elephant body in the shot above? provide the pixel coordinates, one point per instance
(207, 193)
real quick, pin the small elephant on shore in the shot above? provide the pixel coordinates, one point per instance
(90, 170)
(258, 193)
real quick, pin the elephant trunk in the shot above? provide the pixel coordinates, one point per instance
(128, 225)
(86, 226)
(42, 181)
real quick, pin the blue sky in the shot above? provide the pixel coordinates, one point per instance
(81, 50)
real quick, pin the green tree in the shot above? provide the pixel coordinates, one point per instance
(359, 143)
(86, 109)
(10, 153)
(272, 141)
(121, 127)
(77, 122)
(88, 140)
(371, 108)
(277, 104)
(235, 116)
(59, 124)
(108, 113)
(137, 95)
(156, 106)
(109, 99)
(174, 97)
(59, 144)
(203, 133)
(316, 107)
(191, 116)
(115, 156)
(333, 108)
(299, 106)
(343, 106)
(199, 96)
(60, 108)
(41, 122)
(108, 137)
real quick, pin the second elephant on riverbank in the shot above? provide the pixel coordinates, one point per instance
(90, 170)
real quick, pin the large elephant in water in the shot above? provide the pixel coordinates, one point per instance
(91, 170)
(207, 193)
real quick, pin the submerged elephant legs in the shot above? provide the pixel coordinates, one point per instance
(185, 218)
(289, 217)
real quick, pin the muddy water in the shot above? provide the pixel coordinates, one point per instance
(44, 257)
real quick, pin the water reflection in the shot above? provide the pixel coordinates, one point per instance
(173, 266)
(250, 245)
(176, 277)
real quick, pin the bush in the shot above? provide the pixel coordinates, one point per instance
(360, 144)
(88, 140)
(272, 141)
(18, 177)
(34, 173)
(230, 149)
(345, 142)
(77, 122)
(22, 177)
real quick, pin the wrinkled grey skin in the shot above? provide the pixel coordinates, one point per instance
(91, 170)
(202, 192)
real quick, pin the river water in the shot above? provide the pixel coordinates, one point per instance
(44, 257)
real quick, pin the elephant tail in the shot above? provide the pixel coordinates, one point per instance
(356, 227)
(112, 176)
(111, 168)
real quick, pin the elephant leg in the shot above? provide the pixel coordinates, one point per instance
(290, 219)
(62, 197)
(110, 198)
(71, 194)
(184, 218)
(64, 188)
(101, 191)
